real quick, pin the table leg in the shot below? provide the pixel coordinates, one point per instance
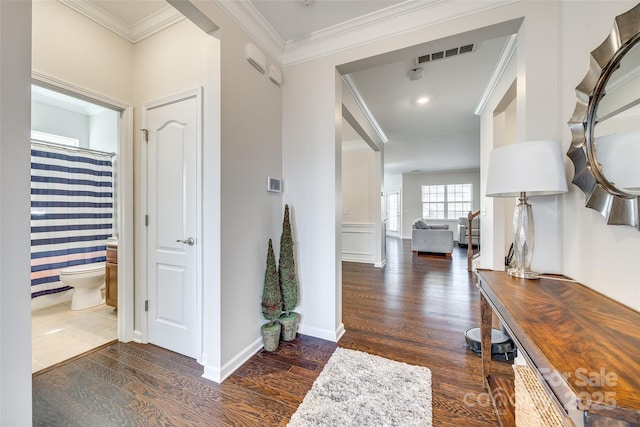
(486, 314)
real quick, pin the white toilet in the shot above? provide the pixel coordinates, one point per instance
(86, 279)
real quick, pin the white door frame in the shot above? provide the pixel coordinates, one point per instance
(124, 196)
(140, 306)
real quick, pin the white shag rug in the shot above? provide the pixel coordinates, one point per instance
(361, 389)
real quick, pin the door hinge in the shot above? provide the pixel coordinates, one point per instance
(146, 220)
(146, 305)
(145, 133)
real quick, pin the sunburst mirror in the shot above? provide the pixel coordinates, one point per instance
(605, 126)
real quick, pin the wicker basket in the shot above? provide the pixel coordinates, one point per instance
(534, 407)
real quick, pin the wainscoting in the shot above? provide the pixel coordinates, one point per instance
(358, 242)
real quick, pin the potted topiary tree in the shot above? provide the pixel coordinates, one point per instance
(271, 303)
(288, 282)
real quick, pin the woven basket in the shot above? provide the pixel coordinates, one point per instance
(534, 408)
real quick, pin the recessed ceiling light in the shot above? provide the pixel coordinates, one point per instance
(422, 100)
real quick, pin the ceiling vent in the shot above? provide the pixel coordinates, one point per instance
(445, 53)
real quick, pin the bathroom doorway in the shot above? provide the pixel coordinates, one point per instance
(74, 225)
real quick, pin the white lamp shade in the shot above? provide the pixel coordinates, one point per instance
(532, 167)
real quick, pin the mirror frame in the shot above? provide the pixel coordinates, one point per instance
(615, 205)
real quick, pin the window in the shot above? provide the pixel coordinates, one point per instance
(394, 212)
(449, 201)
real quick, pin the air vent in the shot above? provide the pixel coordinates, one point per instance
(466, 48)
(434, 56)
(451, 52)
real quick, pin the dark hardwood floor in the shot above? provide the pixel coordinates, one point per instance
(415, 310)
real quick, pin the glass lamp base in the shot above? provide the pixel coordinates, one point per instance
(523, 273)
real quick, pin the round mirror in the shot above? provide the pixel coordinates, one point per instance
(615, 130)
(605, 126)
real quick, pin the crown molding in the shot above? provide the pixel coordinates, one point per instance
(508, 51)
(345, 28)
(147, 27)
(243, 13)
(400, 18)
(394, 20)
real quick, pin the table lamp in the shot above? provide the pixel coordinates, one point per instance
(524, 169)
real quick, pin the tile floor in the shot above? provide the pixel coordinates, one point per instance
(58, 333)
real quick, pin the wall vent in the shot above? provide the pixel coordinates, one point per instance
(434, 56)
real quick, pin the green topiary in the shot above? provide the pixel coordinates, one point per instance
(288, 281)
(271, 294)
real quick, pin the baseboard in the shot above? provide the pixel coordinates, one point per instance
(137, 337)
(324, 334)
(218, 375)
(380, 264)
(340, 331)
(361, 258)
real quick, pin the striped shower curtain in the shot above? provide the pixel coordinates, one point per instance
(71, 212)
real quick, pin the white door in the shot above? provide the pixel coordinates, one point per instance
(172, 230)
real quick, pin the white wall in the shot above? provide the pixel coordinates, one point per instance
(311, 154)
(358, 173)
(15, 315)
(54, 120)
(251, 151)
(103, 131)
(412, 195)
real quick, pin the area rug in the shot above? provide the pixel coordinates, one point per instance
(360, 389)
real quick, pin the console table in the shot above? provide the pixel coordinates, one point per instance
(583, 347)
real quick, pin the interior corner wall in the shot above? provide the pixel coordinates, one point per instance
(15, 315)
(603, 257)
(412, 195)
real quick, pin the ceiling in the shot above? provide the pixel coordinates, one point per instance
(441, 135)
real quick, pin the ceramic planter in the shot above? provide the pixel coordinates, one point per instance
(271, 336)
(289, 326)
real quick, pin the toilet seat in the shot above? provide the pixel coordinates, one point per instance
(83, 268)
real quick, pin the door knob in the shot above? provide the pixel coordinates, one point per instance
(190, 241)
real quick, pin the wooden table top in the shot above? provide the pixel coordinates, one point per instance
(590, 339)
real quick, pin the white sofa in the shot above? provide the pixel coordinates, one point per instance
(463, 229)
(435, 238)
